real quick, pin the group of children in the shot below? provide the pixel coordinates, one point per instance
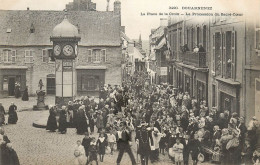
(90, 147)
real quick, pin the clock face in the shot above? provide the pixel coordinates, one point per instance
(57, 50)
(67, 50)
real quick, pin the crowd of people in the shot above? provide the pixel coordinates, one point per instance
(163, 121)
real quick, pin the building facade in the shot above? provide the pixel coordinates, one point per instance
(190, 69)
(25, 49)
(226, 74)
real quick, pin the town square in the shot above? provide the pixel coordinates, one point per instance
(110, 82)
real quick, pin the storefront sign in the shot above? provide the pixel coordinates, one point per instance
(163, 71)
(67, 65)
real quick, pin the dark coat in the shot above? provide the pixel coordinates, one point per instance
(101, 146)
(13, 118)
(145, 138)
(25, 95)
(52, 123)
(82, 125)
(7, 156)
(62, 122)
(86, 145)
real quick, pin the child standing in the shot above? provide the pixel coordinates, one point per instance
(86, 143)
(178, 148)
(102, 143)
(111, 139)
(93, 151)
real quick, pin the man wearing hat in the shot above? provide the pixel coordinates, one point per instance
(123, 137)
(143, 139)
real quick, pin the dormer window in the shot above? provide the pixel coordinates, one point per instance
(32, 29)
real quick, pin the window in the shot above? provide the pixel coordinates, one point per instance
(187, 35)
(217, 52)
(45, 56)
(89, 55)
(224, 53)
(204, 42)
(28, 56)
(97, 55)
(90, 82)
(192, 35)
(213, 95)
(104, 55)
(198, 35)
(9, 56)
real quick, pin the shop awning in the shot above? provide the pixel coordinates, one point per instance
(91, 67)
(13, 67)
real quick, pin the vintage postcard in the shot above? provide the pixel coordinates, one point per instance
(129, 82)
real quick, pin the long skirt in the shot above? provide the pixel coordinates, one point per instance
(51, 123)
(12, 119)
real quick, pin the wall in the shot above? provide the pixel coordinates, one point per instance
(39, 69)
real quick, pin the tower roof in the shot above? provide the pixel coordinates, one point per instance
(65, 29)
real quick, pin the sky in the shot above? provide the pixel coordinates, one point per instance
(131, 10)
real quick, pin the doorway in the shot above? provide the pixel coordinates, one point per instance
(11, 86)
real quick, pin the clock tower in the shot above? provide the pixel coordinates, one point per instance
(65, 38)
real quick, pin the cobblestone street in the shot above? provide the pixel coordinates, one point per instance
(36, 146)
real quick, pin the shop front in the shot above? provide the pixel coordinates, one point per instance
(89, 80)
(9, 76)
(228, 96)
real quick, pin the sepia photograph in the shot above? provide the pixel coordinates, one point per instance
(128, 82)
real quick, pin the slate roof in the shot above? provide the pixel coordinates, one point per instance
(96, 28)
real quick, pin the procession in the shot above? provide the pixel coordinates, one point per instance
(88, 82)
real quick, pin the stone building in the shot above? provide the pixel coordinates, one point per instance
(25, 48)
(190, 69)
(226, 74)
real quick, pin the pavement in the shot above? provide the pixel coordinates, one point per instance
(37, 146)
(25, 105)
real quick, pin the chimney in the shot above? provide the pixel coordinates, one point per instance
(108, 5)
(117, 7)
(163, 22)
(28, 8)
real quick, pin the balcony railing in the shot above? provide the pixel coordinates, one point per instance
(198, 60)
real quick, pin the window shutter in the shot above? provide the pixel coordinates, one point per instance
(224, 69)
(43, 55)
(1, 56)
(89, 55)
(104, 55)
(221, 55)
(233, 55)
(213, 51)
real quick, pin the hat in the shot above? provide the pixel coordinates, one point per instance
(200, 157)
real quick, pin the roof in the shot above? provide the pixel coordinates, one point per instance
(65, 29)
(96, 28)
(136, 54)
(123, 35)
